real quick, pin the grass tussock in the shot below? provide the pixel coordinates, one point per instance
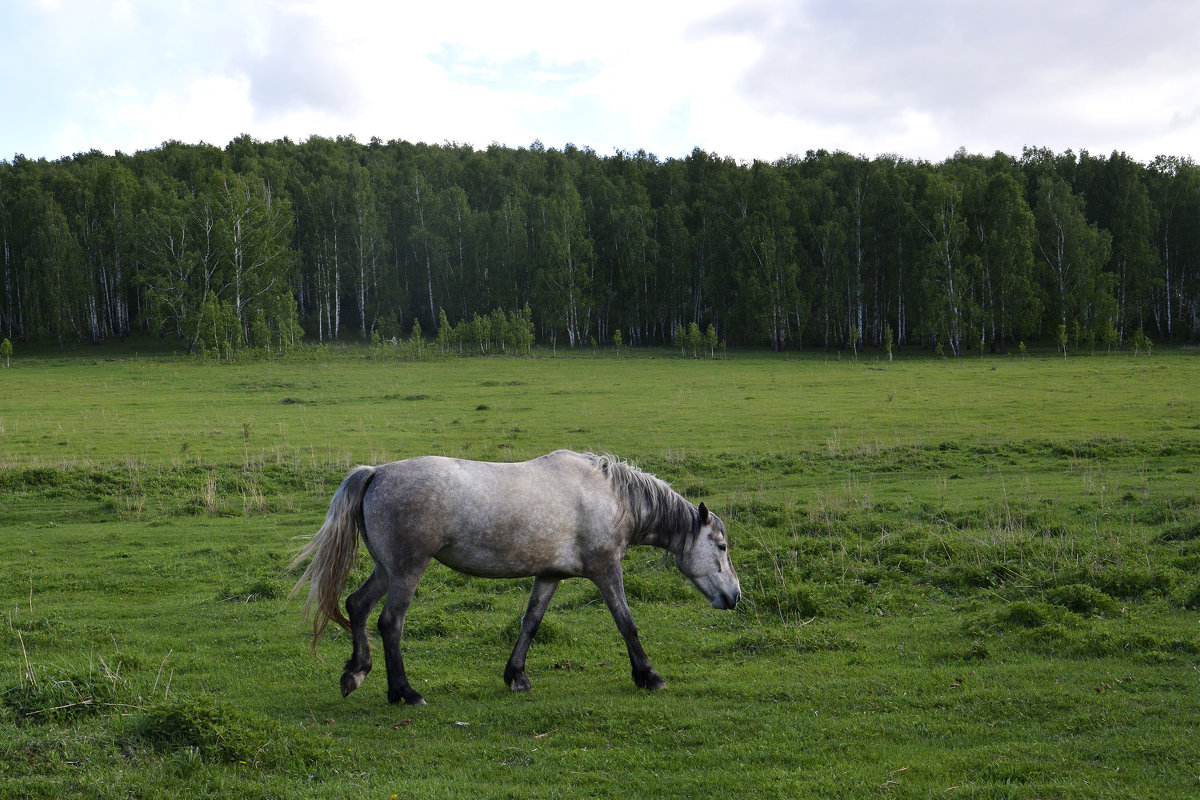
(215, 732)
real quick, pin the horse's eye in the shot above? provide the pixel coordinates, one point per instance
(722, 547)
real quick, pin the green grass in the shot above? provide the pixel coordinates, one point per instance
(969, 578)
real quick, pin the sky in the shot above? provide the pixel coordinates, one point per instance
(747, 79)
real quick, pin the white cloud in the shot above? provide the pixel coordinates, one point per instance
(995, 75)
(747, 78)
(212, 110)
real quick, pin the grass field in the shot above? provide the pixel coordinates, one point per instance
(964, 578)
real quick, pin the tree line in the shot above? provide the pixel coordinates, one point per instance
(261, 244)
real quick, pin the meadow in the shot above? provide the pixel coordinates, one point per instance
(975, 577)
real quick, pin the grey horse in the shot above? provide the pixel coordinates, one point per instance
(559, 516)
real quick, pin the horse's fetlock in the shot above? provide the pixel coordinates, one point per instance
(356, 665)
(516, 679)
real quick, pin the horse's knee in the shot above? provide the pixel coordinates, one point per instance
(388, 622)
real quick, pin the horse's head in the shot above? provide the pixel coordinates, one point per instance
(705, 559)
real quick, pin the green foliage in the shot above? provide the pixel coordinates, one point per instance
(1142, 343)
(443, 331)
(1073, 252)
(693, 339)
(329, 238)
(710, 340)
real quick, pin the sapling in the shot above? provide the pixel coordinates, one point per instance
(415, 340)
(694, 339)
(710, 340)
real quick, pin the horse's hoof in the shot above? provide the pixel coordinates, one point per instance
(520, 683)
(351, 681)
(407, 695)
(652, 682)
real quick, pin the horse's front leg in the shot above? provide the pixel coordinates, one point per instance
(612, 587)
(539, 600)
(391, 627)
(358, 608)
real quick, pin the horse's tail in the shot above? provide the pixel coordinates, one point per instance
(332, 550)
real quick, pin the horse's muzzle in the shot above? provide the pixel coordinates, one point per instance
(727, 600)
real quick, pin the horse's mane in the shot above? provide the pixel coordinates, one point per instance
(650, 503)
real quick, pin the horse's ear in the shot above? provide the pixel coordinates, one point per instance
(703, 514)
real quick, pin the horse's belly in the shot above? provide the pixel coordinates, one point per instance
(491, 560)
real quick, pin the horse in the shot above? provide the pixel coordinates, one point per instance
(562, 515)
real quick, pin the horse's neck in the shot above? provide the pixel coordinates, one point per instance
(666, 527)
(661, 516)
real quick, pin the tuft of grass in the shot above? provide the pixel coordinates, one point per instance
(203, 729)
(58, 698)
(1082, 599)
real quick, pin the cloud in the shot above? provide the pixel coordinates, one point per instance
(302, 64)
(747, 78)
(991, 74)
(210, 109)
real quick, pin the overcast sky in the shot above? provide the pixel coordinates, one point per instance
(741, 78)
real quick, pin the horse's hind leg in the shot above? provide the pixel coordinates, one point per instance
(539, 599)
(358, 608)
(391, 627)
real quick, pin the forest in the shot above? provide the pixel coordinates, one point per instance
(266, 244)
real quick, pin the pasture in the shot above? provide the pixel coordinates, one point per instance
(964, 578)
